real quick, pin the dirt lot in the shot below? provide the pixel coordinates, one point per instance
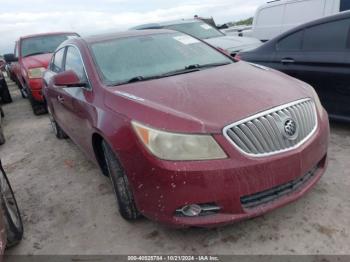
(69, 208)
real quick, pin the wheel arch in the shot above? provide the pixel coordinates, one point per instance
(98, 151)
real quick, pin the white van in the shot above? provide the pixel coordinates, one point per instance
(279, 16)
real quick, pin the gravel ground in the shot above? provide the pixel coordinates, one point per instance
(68, 207)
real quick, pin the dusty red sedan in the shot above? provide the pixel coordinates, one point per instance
(188, 136)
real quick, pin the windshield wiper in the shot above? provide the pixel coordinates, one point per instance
(194, 67)
(213, 65)
(141, 78)
(171, 73)
(37, 53)
(187, 69)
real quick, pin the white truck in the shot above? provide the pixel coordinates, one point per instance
(278, 16)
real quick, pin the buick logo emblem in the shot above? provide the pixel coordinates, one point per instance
(290, 129)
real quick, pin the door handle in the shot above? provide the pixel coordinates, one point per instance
(60, 99)
(287, 60)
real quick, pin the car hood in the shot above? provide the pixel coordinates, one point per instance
(234, 43)
(42, 60)
(205, 101)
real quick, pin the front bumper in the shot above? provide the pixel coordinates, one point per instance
(161, 187)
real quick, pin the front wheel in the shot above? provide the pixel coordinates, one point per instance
(38, 108)
(12, 216)
(24, 93)
(125, 198)
(58, 131)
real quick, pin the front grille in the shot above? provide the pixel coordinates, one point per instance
(264, 197)
(266, 133)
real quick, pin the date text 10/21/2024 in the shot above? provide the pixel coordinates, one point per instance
(173, 258)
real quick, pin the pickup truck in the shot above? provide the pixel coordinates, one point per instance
(30, 59)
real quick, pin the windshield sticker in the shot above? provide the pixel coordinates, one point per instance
(205, 26)
(186, 40)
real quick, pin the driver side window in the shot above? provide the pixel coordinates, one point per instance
(74, 62)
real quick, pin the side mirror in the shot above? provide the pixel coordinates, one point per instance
(67, 79)
(9, 58)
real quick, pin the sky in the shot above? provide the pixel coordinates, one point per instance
(23, 17)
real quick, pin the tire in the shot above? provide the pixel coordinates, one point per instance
(24, 93)
(58, 131)
(5, 93)
(125, 198)
(12, 217)
(38, 108)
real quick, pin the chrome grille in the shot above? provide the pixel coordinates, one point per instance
(265, 133)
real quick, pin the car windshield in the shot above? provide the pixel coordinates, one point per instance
(197, 29)
(140, 57)
(42, 44)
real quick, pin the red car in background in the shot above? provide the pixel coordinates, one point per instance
(33, 54)
(188, 135)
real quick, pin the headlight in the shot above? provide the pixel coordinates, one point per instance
(173, 146)
(36, 72)
(317, 101)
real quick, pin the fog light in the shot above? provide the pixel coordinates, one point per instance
(198, 210)
(191, 210)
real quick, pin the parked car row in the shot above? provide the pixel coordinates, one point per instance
(188, 134)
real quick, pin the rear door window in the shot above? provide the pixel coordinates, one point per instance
(291, 43)
(344, 5)
(329, 37)
(57, 62)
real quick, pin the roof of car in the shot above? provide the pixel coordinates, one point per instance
(272, 42)
(131, 33)
(164, 24)
(45, 34)
(341, 15)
